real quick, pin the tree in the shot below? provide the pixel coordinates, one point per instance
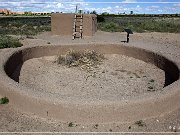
(94, 12)
(105, 13)
(26, 13)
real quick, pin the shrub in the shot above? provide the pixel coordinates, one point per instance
(4, 100)
(71, 124)
(85, 60)
(9, 42)
(140, 123)
(100, 19)
(24, 25)
(96, 126)
(110, 27)
(140, 24)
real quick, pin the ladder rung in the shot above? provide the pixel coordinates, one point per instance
(78, 30)
(79, 21)
(78, 26)
(77, 17)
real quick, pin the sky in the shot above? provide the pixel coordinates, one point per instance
(100, 6)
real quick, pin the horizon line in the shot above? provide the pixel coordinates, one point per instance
(98, 2)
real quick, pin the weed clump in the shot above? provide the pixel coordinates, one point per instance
(85, 60)
(140, 123)
(71, 124)
(96, 126)
(152, 80)
(9, 42)
(151, 86)
(4, 100)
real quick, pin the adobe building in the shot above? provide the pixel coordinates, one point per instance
(6, 12)
(62, 24)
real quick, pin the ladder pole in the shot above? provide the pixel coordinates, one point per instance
(77, 26)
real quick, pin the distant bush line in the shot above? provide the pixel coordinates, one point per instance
(138, 24)
(23, 26)
(30, 26)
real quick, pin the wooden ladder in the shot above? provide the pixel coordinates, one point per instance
(77, 26)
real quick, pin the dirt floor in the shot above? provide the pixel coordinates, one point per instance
(12, 120)
(117, 78)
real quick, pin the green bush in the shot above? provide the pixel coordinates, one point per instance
(100, 19)
(24, 25)
(4, 100)
(110, 27)
(140, 24)
(71, 124)
(9, 42)
(140, 123)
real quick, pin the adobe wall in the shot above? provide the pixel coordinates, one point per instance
(31, 101)
(62, 24)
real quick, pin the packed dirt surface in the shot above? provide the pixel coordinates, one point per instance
(118, 77)
(167, 44)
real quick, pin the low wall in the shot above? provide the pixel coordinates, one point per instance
(31, 101)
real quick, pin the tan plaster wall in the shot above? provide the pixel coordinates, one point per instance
(28, 100)
(62, 24)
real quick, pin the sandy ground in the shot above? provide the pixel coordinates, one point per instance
(12, 120)
(117, 78)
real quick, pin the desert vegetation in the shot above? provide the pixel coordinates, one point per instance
(138, 24)
(140, 123)
(4, 100)
(71, 124)
(85, 60)
(29, 26)
(9, 42)
(21, 26)
(24, 25)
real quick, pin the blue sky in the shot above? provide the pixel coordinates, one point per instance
(110, 6)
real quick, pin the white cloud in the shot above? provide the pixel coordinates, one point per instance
(109, 8)
(176, 7)
(177, 4)
(61, 6)
(41, 5)
(154, 7)
(162, 0)
(129, 1)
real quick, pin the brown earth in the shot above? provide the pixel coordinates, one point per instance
(118, 77)
(167, 44)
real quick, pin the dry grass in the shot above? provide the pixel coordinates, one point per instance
(85, 60)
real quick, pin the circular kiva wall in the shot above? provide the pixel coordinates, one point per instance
(29, 100)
